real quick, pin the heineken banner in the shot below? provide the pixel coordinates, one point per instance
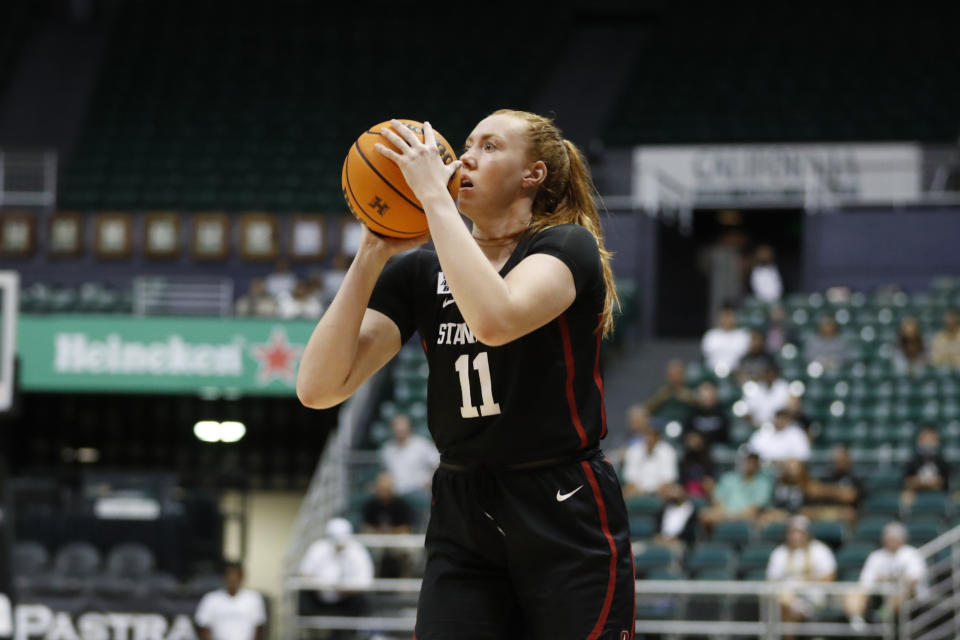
(160, 355)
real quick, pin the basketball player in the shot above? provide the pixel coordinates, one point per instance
(528, 532)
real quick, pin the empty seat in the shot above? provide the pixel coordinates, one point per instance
(829, 532)
(653, 558)
(852, 557)
(869, 529)
(130, 560)
(643, 505)
(884, 504)
(710, 557)
(29, 559)
(923, 530)
(642, 527)
(77, 560)
(736, 532)
(775, 532)
(932, 503)
(754, 560)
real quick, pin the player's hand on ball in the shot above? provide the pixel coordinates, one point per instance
(420, 162)
(386, 247)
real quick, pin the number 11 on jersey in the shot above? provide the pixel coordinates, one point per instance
(481, 364)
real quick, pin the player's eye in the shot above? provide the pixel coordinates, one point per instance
(489, 146)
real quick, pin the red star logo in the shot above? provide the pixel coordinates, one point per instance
(277, 358)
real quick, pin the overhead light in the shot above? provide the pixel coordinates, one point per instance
(232, 431)
(213, 431)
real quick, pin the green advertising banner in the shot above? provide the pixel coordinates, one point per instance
(160, 354)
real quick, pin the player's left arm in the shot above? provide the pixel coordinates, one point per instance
(497, 309)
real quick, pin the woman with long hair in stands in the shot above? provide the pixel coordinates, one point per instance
(528, 533)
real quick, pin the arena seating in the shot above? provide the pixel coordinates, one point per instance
(815, 80)
(255, 107)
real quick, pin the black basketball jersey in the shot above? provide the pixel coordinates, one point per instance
(538, 397)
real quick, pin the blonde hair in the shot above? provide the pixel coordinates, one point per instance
(566, 195)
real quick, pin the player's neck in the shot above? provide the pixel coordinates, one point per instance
(497, 236)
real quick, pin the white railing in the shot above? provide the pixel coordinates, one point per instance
(936, 616)
(183, 296)
(28, 178)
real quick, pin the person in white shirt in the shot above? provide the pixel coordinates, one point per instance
(895, 562)
(765, 278)
(783, 440)
(410, 459)
(300, 303)
(765, 396)
(342, 569)
(281, 281)
(649, 463)
(801, 559)
(231, 613)
(724, 345)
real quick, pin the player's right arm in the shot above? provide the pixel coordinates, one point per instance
(351, 342)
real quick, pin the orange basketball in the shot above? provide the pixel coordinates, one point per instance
(375, 190)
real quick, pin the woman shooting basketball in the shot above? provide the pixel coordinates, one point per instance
(528, 531)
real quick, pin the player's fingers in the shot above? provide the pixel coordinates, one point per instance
(396, 140)
(429, 138)
(405, 133)
(452, 169)
(388, 153)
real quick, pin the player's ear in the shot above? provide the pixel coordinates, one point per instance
(535, 174)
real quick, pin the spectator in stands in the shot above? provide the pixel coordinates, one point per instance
(725, 344)
(673, 400)
(765, 281)
(342, 568)
(927, 470)
(789, 493)
(677, 519)
(945, 348)
(911, 354)
(781, 441)
(696, 467)
(765, 396)
(231, 613)
(801, 559)
(386, 512)
(797, 414)
(282, 280)
(649, 463)
(741, 494)
(755, 360)
(722, 264)
(410, 458)
(836, 496)
(256, 301)
(828, 347)
(300, 303)
(708, 417)
(893, 562)
(777, 331)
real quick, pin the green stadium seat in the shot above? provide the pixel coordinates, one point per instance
(923, 529)
(642, 527)
(885, 504)
(653, 558)
(831, 533)
(775, 532)
(710, 556)
(852, 556)
(737, 533)
(869, 529)
(643, 505)
(755, 559)
(931, 503)
(885, 481)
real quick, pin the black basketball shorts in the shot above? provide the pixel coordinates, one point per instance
(538, 554)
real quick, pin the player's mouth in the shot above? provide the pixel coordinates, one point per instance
(465, 183)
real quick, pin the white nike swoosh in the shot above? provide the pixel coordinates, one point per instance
(563, 496)
(448, 301)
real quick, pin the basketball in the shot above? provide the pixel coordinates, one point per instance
(375, 190)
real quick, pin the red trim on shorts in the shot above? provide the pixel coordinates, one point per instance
(426, 351)
(571, 399)
(612, 578)
(598, 379)
(633, 587)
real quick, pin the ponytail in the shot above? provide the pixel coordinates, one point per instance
(566, 196)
